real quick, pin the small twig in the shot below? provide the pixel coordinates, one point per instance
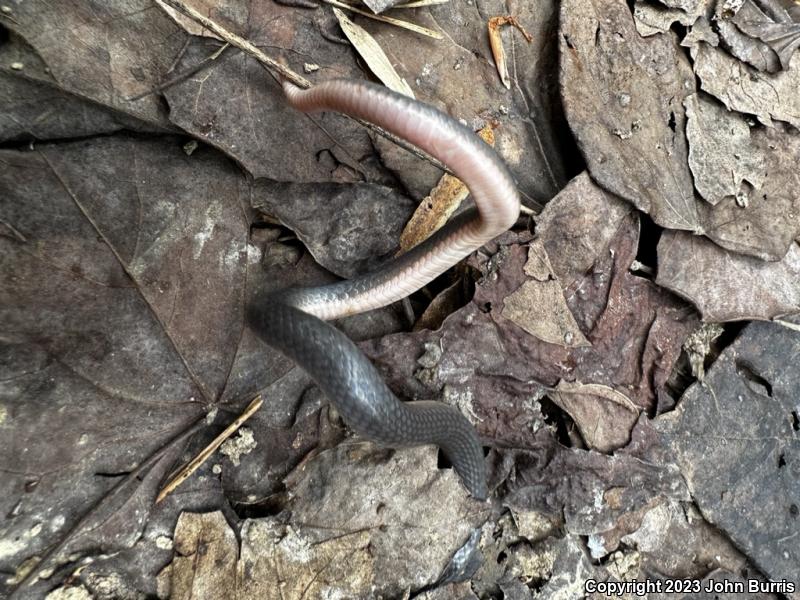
(176, 61)
(198, 460)
(239, 42)
(181, 76)
(286, 72)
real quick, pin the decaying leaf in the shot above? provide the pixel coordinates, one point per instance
(205, 562)
(623, 97)
(761, 220)
(744, 89)
(721, 155)
(538, 305)
(348, 528)
(32, 109)
(652, 18)
(349, 229)
(237, 106)
(373, 55)
(104, 52)
(604, 416)
(735, 438)
(578, 226)
(726, 286)
(594, 492)
(737, 43)
(771, 22)
(677, 530)
(485, 362)
(127, 261)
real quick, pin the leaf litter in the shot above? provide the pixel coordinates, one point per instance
(128, 264)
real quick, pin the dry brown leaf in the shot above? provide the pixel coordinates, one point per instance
(744, 89)
(597, 389)
(623, 98)
(721, 154)
(539, 307)
(206, 555)
(726, 286)
(604, 427)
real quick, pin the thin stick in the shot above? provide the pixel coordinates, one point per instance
(181, 76)
(285, 72)
(198, 460)
(239, 42)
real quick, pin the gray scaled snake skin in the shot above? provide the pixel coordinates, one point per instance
(293, 320)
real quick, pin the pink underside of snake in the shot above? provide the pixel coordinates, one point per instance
(473, 161)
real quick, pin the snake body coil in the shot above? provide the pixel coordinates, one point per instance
(291, 320)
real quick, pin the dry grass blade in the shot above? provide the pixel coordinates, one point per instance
(391, 21)
(204, 454)
(420, 3)
(373, 55)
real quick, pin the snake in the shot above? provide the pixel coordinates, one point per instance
(294, 320)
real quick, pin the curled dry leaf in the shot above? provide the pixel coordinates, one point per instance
(496, 42)
(772, 23)
(737, 43)
(726, 286)
(604, 416)
(698, 346)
